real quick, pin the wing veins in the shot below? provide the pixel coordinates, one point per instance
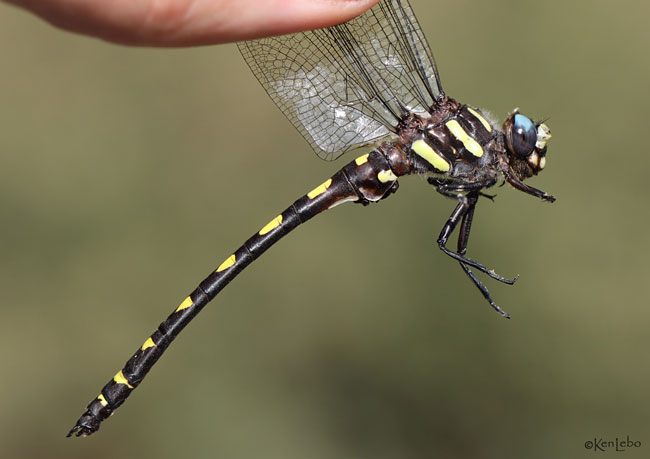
(349, 85)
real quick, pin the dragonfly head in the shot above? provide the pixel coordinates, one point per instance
(525, 144)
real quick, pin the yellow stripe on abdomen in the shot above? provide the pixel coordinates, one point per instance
(362, 159)
(187, 302)
(227, 264)
(147, 344)
(320, 189)
(120, 379)
(273, 224)
(386, 176)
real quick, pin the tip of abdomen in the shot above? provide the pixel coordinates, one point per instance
(86, 425)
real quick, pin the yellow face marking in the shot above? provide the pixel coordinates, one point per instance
(147, 344)
(102, 400)
(187, 302)
(273, 224)
(483, 121)
(362, 159)
(470, 144)
(424, 150)
(543, 136)
(120, 379)
(227, 264)
(386, 176)
(319, 189)
(542, 163)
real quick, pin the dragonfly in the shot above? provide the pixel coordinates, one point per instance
(369, 82)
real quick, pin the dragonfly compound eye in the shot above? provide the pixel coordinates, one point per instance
(524, 136)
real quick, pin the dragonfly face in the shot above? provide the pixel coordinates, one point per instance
(525, 144)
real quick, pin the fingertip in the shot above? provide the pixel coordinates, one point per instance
(317, 14)
(241, 20)
(172, 23)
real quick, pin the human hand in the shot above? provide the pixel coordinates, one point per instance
(191, 22)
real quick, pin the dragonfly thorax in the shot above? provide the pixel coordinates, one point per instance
(454, 140)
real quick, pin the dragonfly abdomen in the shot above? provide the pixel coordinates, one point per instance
(367, 179)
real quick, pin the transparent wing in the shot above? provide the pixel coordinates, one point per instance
(349, 85)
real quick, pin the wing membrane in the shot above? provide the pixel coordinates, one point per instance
(349, 85)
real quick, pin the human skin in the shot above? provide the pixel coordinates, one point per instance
(168, 23)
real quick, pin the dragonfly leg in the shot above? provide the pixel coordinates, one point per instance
(463, 239)
(528, 189)
(489, 196)
(465, 203)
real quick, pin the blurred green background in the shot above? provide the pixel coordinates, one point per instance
(128, 174)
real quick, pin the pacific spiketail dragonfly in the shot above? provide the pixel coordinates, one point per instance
(373, 82)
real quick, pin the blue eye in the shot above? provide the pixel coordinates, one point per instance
(524, 135)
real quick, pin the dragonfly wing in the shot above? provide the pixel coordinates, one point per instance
(350, 84)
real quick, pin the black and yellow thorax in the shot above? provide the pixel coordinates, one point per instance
(454, 141)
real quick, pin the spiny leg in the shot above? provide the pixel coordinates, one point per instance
(461, 210)
(463, 239)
